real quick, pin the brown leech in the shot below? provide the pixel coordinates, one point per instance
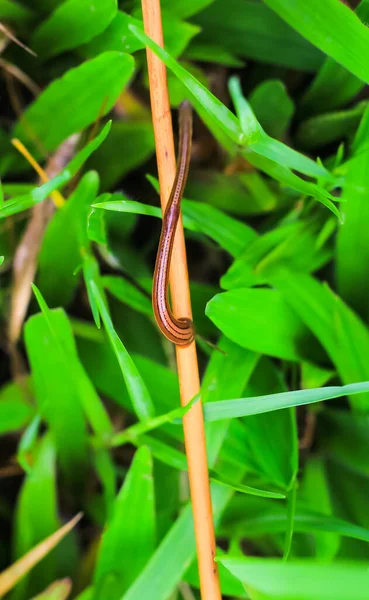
(180, 331)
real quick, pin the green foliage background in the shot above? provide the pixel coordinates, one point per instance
(277, 218)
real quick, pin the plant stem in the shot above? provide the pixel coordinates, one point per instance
(188, 373)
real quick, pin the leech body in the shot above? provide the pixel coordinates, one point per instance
(180, 331)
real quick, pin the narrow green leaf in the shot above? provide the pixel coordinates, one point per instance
(246, 489)
(23, 202)
(331, 26)
(242, 407)
(36, 517)
(260, 142)
(130, 532)
(172, 557)
(333, 85)
(137, 389)
(337, 327)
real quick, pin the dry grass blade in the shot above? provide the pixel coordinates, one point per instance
(25, 257)
(10, 577)
(14, 39)
(21, 76)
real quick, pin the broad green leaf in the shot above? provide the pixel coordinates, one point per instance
(329, 127)
(25, 201)
(116, 37)
(229, 409)
(272, 107)
(250, 29)
(137, 389)
(60, 254)
(14, 12)
(73, 22)
(49, 345)
(331, 26)
(339, 330)
(36, 517)
(352, 247)
(130, 533)
(333, 85)
(129, 145)
(15, 412)
(77, 98)
(273, 579)
(260, 320)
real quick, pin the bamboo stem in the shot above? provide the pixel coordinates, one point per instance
(188, 372)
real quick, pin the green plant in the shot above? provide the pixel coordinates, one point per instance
(276, 219)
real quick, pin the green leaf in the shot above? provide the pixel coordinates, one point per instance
(261, 143)
(294, 245)
(137, 389)
(229, 233)
(251, 30)
(339, 330)
(274, 579)
(200, 95)
(116, 37)
(127, 147)
(20, 203)
(15, 413)
(272, 107)
(126, 292)
(260, 320)
(331, 26)
(48, 342)
(130, 532)
(352, 274)
(246, 489)
(242, 407)
(225, 373)
(333, 85)
(57, 279)
(77, 98)
(173, 555)
(13, 12)
(73, 22)
(329, 127)
(210, 52)
(36, 517)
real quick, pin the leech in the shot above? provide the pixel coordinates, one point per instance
(180, 331)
